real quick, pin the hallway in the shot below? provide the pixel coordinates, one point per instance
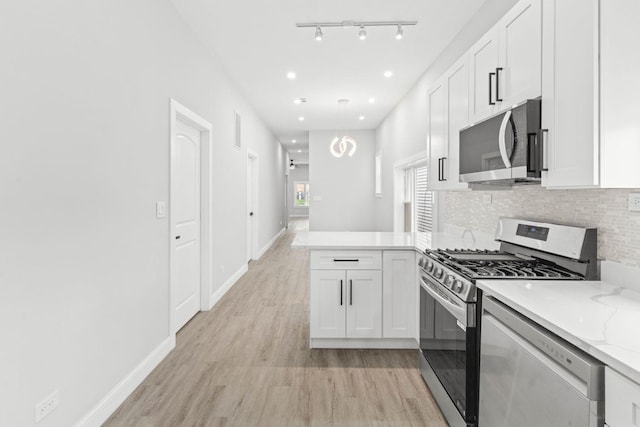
(247, 362)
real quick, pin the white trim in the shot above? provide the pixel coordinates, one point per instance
(114, 398)
(298, 216)
(270, 243)
(253, 249)
(384, 343)
(179, 111)
(410, 161)
(219, 293)
(399, 189)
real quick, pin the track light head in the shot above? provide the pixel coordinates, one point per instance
(362, 34)
(399, 33)
(318, 33)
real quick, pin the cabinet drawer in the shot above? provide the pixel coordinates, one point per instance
(346, 260)
(622, 400)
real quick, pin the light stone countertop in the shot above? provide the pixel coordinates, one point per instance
(363, 240)
(598, 317)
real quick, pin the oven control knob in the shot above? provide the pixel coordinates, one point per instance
(438, 273)
(429, 266)
(458, 286)
(421, 262)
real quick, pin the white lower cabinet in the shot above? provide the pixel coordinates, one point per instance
(346, 304)
(622, 400)
(356, 307)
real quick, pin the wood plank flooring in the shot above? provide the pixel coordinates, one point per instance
(247, 362)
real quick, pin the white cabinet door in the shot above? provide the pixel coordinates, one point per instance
(570, 93)
(328, 304)
(364, 304)
(622, 400)
(457, 117)
(483, 61)
(399, 293)
(436, 135)
(520, 43)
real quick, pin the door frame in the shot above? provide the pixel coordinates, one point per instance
(252, 247)
(180, 112)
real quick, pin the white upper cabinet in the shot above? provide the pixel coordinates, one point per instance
(505, 64)
(590, 94)
(483, 62)
(520, 45)
(448, 104)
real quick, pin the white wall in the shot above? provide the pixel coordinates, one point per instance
(403, 133)
(345, 185)
(300, 173)
(84, 146)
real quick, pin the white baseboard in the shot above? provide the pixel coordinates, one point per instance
(219, 293)
(385, 343)
(269, 244)
(107, 406)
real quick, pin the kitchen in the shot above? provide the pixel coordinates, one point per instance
(123, 316)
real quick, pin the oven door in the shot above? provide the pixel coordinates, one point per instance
(449, 346)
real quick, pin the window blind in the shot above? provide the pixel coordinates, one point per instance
(423, 201)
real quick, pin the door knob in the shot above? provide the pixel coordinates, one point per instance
(177, 237)
(250, 213)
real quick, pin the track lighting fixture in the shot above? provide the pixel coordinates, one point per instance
(362, 32)
(399, 33)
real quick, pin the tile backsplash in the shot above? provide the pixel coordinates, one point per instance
(618, 228)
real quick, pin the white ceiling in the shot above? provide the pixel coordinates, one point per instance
(258, 43)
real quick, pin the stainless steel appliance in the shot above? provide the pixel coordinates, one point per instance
(529, 377)
(504, 149)
(450, 304)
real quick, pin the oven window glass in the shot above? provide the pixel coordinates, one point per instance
(443, 344)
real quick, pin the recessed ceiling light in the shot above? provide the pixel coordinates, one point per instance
(294, 141)
(361, 118)
(291, 75)
(299, 151)
(388, 74)
(372, 100)
(301, 119)
(299, 100)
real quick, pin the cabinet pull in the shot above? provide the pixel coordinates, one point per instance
(346, 260)
(340, 292)
(543, 149)
(491, 89)
(498, 99)
(444, 175)
(440, 167)
(350, 292)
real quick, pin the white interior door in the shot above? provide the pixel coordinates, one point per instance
(250, 206)
(185, 224)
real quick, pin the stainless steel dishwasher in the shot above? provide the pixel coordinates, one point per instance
(530, 377)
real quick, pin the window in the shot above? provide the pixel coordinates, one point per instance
(301, 196)
(423, 201)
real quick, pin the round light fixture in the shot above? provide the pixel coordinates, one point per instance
(294, 141)
(301, 119)
(372, 100)
(361, 118)
(388, 74)
(291, 75)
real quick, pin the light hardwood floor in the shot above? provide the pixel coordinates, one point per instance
(247, 362)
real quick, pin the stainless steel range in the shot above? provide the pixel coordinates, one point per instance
(450, 303)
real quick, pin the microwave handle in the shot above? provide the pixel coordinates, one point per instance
(502, 143)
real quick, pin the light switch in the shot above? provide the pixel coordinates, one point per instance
(634, 202)
(161, 209)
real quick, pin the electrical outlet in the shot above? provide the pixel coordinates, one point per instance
(634, 202)
(47, 405)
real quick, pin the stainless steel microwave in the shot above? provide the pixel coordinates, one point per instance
(504, 149)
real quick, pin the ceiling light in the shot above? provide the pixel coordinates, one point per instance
(301, 119)
(388, 74)
(361, 118)
(297, 101)
(291, 75)
(299, 151)
(294, 141)
(362, 33)
(372, 100)
(318, 33)
(399, 33)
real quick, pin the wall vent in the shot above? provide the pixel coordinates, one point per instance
(238, 139)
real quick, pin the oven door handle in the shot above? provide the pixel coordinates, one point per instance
(458, 311)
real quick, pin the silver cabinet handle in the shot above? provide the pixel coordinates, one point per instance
(502, 143)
